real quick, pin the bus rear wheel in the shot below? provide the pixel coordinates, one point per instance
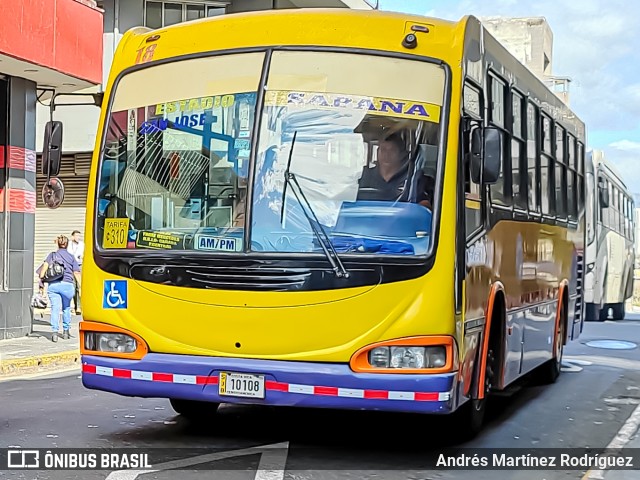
(192, 409)
(550, 371)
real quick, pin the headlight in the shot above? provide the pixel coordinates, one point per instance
(379, 357)
(109, 342)
(408, 357)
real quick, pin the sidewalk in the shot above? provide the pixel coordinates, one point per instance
(36, 352)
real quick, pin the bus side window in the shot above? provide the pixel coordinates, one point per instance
(471, 120)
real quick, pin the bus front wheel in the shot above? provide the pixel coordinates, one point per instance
(470, 418)
(193, 410)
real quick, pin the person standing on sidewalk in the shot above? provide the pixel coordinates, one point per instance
(76, 248)
(61, 291)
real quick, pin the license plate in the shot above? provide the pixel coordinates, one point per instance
(241, 385)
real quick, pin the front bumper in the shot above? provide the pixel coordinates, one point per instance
(287, 383)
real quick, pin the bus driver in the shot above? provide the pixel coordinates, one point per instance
(388, 179)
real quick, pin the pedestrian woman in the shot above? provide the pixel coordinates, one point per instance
(61, 288)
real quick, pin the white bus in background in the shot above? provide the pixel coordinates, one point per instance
(610, 251)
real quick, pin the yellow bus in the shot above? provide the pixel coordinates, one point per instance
(328, 208)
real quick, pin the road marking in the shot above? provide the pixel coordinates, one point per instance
(570, 367)
(35, 376)
(615, 362)
(623, 401)
(271, 467)
(15, 352)
(571, 364)
(624, 435)
(577, 361)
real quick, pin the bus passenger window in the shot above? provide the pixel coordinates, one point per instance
(545, 184)
(501, 191)
(532, 170)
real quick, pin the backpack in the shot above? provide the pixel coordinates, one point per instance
(55, 271)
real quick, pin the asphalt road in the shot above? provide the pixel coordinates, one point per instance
(594, 397)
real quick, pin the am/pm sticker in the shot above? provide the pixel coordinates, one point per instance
(218, 244)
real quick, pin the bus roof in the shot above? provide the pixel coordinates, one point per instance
(318, 27)
(601, 162)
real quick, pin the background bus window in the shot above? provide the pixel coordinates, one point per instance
(572, 178)
(532, 157)
(621, 211)
(590, 207)
(612, 220)
(604, 211)
(580, 160)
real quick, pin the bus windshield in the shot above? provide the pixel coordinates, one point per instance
(179, 141)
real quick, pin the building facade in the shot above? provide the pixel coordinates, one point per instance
(80, 123)
(44, 45)
(530, 40)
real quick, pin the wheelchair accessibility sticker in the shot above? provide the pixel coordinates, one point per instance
(115, 294)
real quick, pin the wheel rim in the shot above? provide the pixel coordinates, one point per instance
(559, 339)
(489, 372)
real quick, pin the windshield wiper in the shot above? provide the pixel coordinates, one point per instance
(316, 227)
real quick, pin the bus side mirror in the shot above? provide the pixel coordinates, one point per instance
(493, 155)
(52, 149)
(604, 197)
(476, 154)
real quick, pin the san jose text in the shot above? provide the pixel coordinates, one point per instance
(560, 461)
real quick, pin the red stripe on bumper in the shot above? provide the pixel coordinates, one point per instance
(276, 386)
(376, 394)
(201, 380)
(426, 397)
(120, 373)
(162, 377)
(332, 391)
(86, 368)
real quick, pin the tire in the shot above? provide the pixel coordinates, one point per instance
(550, 371)
(592, 312)
(193, 410)
(618, 311)
(470, 418)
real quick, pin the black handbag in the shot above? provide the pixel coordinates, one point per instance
(55, 271)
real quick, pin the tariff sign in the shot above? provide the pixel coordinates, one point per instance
(116, 233)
